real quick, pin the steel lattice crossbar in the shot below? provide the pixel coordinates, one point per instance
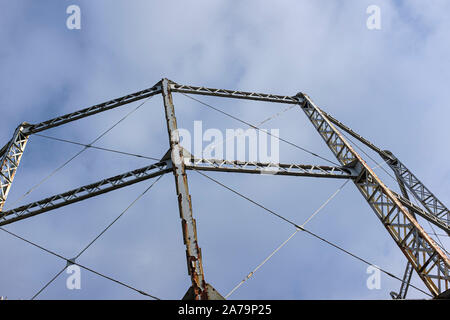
(232, 94)
(84, 192)
(396, 212)
(269, 168)
(93, 110)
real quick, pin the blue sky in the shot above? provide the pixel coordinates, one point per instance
(390, 85)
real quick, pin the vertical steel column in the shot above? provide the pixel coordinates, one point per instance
(10, 157)
(193, 252)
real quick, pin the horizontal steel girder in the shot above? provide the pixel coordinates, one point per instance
(232, 94)
(268, 168)
(34, 128)
(10, 157)
(84, 192)
(138, 175)
(429, 261)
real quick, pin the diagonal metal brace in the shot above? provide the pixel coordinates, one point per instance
(282, 169)
(84, 192)
(10, 157)
(438, 213)
(430, 262)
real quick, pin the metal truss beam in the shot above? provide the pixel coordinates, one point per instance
(138, 175)
(405, 284)
(352, 133)
(409, 268)
(232, 94)
(421, 212)
(156, 89)
(84, 192)
(10, 157)
(77, 115)
(438, 213)
(396, 212)
(426, 257)
(269, 168)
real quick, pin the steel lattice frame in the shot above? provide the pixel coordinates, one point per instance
(396, 212)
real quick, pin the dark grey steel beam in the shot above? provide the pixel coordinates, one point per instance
(175, 87)
(269, 168)
(34, 128)
(353, 133)
(84, 192)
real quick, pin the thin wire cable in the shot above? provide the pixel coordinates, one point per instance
(326, 202)
(211, 146)
(286, 241)
(99, 148)
(118, 217)
(259, 129)
(443, 235)
(79, 152)
(440, 244)
(78, 264)
(48, 283)
(98, 236)
(260, 265)
(311, 233)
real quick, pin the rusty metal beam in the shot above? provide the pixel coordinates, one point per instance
(10, 157)
(84, 192)
(193, 252)
(430, 262)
